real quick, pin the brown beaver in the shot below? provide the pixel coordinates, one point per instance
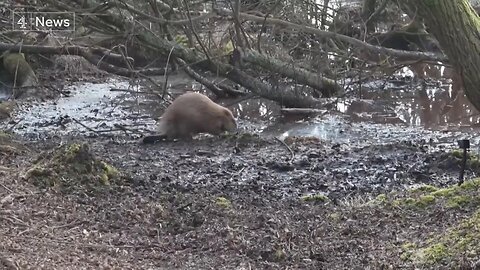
(190, 114)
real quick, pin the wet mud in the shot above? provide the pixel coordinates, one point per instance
(280, 193)
(228, 203)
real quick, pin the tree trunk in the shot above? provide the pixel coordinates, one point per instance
(326, 86)
(456, 26)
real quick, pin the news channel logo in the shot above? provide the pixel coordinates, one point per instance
(43, 21)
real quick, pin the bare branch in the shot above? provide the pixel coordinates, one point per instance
(347, 39)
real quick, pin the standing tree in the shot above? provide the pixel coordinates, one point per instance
(456, 26)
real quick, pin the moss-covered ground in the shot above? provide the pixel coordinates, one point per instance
(98, 203)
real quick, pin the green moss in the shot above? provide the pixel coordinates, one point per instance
(104, 180)
(456, 196)
(279, 255)
(72, 150)
(420, 202)
(457, 153)
(473, 160)
(458, 201)
(182, 40)
(314, 198)
(71, 167)
(228, 48)
(223, 202)
(382, 198)
(335, 217)
(473, 184)
(434, 253)
(408, 249)
(425, 188)
(431, 192)
(408, 246)
(451, 246)
(397, 203)
(425, 200)
(110, 172)
(410, 201)
(405, 256)
(444, 192)
(473, 163)
(464, 238)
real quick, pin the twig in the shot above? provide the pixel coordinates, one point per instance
(130, 91)
(197, 77)
(379, 10)
(125, 129)
(192, 27)
(89, 246)
(71, 224)
(6, 188)
(247, 97)
(7, 263)
(155, 84)
(81, 124)
(166, 74)
(288, 147)
(336, 36)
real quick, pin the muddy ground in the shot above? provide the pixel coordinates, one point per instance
(226, 203)
(332, 194)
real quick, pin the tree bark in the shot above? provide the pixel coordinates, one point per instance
(96, 56)
(456, 26)
(326, 86)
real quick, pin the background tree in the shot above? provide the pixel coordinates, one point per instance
(456, 26)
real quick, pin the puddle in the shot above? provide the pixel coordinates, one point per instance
(91, 108)
(402, 108)
(399, 109)
(338, 129)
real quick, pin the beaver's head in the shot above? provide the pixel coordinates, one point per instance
(228, 122)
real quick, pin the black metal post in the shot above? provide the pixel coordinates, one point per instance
(463, 144)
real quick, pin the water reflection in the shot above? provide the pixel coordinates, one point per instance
(441, 103)
(432, 98)
(256, 109)
(429, 96)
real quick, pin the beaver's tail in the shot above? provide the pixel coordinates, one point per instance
(153, 139)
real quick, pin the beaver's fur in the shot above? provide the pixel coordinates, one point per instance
(190, 114)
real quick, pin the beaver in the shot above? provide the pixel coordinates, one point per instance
(192, 113)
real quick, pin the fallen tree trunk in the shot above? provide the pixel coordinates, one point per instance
(164, 46)
(327, 86)
(219, 91)
(87, 53)
(282, 96)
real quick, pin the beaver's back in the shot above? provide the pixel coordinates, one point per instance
(193, 113)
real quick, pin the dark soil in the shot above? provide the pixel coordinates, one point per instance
(232, 202)
(226, 203)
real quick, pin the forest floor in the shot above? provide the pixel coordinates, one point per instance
(84, 200)
(235, 202)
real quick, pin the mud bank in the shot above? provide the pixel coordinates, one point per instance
(231, 203)
(324, 193)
